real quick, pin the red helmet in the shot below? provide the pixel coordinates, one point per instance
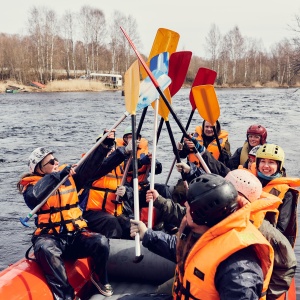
(258, 130)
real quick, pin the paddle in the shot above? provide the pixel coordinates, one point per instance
(156, 84)
(160, 61)
(165, 40)
(208, 107)
(203, 76)
(178, 66)
(132, 87)
(159, 64)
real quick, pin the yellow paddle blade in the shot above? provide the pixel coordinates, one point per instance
(163, 110)
(166, 40)
(132, 87)
(207, 102)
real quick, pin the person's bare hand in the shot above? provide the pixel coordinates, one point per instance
(151, 195)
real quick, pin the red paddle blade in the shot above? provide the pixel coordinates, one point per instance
(203, 76)
(178, 66)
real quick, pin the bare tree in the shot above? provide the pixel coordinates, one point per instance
(68, 28)
(213, 44)
(98, 31)
(236, 43)
(296, 42)
(119, 46)
(43, 30)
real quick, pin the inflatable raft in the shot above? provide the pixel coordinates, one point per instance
(24, 280)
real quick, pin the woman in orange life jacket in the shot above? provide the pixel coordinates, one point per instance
(256, 135)
(205, 136)
(239, 269)
(98, 198)
(271, 173)
(61, 232)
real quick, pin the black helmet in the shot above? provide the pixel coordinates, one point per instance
(211, 199)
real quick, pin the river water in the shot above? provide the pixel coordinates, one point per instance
(69, 123)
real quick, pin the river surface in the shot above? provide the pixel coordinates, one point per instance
(69, 123)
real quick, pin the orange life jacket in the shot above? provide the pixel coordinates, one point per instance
(212, 147)
(266, 203)
(60, 210)
(229, 236)
(102, 192)
(279, 187)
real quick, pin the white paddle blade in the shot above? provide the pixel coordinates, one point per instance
(148, 92)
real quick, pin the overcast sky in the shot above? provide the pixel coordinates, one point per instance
(267, 20)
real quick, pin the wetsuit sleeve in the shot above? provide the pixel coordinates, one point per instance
(285, 211)
(161, 244)
(240, 276)
(285, 261)
(215, 166)
(171, 212)
(97, 165)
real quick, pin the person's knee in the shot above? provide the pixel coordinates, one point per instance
(45, 248)
(99, 242)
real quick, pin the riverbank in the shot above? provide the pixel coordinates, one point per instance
(79, 85)
(75, 85)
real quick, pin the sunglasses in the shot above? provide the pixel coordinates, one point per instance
(51, 162)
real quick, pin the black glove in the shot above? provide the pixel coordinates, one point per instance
(109, 142)
(66, 171)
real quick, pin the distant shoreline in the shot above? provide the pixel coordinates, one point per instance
(78, 85)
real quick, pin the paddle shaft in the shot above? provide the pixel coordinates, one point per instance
(153, 163)
(181, 140)
(218, 143)
(135, 187)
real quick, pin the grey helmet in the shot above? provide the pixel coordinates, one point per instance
(211, 199)
(36, 156)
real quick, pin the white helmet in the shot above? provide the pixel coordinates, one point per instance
(254, 150)
(245, 183)
(37, 156)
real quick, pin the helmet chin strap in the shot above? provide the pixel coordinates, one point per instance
(40, 171)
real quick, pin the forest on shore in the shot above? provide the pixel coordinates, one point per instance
(77, 44)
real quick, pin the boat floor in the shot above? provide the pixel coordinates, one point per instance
(125, 288)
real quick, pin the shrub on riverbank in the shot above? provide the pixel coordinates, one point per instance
(76, 85)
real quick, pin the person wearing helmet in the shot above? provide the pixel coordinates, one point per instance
(251, 157)
(271, 173)
(61, 229)
(105, 201)
(239, 269)
(256, 135)
(205, 136)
